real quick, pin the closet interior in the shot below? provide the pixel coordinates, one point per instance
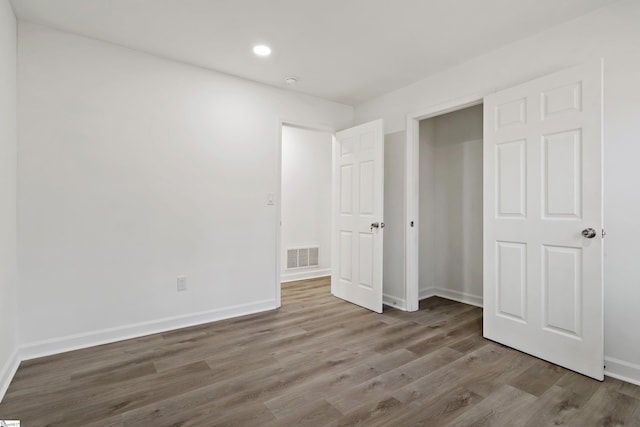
(450, 221)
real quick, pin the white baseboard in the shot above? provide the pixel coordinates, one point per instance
(394, 302)
(75, 342)
(619, 369)
(8, 371)
(427, 293)
(303, 275)
(452, 295)
(459, 296)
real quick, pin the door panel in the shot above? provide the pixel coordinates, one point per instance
(511, 176)
(511, 280)
(562, 289)
(542, 186)
(562, 174)
(358, 175)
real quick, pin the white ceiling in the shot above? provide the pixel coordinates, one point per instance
(348, 51)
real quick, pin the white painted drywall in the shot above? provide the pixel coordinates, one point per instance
(8, 161)
(306, 198)
(134, 170)
(611, 33)
(427, 227)
(393, 288)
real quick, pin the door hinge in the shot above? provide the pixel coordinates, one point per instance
(604, 233)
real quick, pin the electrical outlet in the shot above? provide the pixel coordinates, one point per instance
(182, 283)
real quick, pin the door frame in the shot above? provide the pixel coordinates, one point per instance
(412, 189)
(278, 193)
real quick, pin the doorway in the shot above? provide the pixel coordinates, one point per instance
(450, 206)
(442, 162)
(349, 237)
(428, 174)
(305, 203)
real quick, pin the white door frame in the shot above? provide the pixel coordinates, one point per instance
(278, 192)
(412, 190)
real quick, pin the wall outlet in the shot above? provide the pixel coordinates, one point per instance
(182, 283)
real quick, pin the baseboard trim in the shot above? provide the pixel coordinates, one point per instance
(107, 336)
(621, 370)
(394, 302)
(303, 275)
(8, 372)
(462, 297)
(459, 296)
(427, 293)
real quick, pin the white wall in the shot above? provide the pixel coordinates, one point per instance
(306, 198)
(614, 34)
(134, 170)
(428, 249)
(8, 276)
(451, 205)
(394, 245)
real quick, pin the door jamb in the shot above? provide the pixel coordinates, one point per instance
(412, 190)
(278, 193)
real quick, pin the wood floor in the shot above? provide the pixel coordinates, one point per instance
(317, 361)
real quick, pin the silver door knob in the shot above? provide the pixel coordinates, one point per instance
(589, 233)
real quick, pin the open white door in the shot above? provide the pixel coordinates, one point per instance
(543, 254)
(358, 191)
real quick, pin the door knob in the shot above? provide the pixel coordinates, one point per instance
(589, 233)
(377, 225)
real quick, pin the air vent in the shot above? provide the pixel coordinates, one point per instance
(302, 257)
(313, 256)
(292, 258)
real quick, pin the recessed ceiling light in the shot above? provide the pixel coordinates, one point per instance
(290, 81)
(262, 50)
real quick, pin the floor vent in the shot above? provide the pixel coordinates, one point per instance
(302, 257)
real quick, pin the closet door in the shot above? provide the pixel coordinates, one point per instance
(358, 202)
(543, 227)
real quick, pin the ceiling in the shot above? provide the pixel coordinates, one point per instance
(347, 51)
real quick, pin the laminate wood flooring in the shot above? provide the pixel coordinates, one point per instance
(317, 361)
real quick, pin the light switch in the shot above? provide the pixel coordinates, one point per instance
(271, 199)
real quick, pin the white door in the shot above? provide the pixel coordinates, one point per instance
(543, 283)
(358, 190)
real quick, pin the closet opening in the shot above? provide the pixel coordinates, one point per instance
(450, 206)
